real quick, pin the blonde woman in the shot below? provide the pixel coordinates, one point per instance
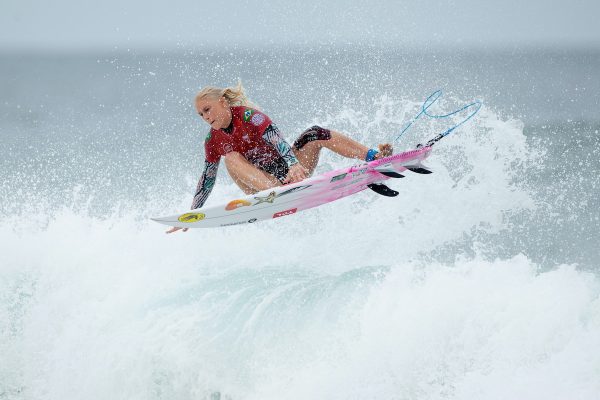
(256, 155)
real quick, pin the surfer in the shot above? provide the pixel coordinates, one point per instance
(256, 155)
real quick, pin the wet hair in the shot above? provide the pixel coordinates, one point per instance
(235, 96)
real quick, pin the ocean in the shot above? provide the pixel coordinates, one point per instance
(479, 281)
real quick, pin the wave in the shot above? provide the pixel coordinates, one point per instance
(447, 291)
(188, 322)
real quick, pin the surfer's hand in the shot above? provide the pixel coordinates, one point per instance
(175, 229)
(296, 173)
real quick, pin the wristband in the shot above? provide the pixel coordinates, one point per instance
(371, 155)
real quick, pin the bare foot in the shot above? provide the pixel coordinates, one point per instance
(385, 150)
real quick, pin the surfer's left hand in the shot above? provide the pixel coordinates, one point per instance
(296, 173)
(175, 229)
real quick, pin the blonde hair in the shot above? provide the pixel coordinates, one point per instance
(235, 96)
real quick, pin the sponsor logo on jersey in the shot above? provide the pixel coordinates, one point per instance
(285, 212)
(258, 119)
(191, 217)
(248, 114)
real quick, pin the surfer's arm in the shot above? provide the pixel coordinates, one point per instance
(272, 136)
(205, 184)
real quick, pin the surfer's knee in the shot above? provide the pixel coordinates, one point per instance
(310, 135)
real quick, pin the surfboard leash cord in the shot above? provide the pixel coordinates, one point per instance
(424, 111)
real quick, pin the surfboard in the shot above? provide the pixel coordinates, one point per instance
(290, 199)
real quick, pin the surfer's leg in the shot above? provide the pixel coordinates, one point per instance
(350, 148)
(308, 146)
(247, 176)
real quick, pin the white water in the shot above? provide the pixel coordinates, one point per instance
(356, 299)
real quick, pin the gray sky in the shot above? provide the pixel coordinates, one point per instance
(84, 24)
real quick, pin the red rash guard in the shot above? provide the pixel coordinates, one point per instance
(255, 137)
(244, 137)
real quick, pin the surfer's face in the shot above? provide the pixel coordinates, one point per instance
(215, 112)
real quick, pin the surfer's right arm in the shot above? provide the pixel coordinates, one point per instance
(205, 186)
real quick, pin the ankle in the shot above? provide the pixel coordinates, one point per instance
(371, 155)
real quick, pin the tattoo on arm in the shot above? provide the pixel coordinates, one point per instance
(273, 137)
(205, 185)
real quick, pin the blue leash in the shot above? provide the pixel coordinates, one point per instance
(428, 103)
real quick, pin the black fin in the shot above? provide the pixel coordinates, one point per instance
(391, 174)
(417, 169)
(383, 190)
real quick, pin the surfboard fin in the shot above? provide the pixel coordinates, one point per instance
(382, 189)
(418, 168)
(389, 172)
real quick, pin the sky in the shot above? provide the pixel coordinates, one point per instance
(149, 24)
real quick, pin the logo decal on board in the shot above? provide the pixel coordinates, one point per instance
(293, 190)
(359, 172)
(268, 199)
(240, 222)
(284, 213)
(272, 196)
(338, 177)
(234, 204)
(191, 217)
